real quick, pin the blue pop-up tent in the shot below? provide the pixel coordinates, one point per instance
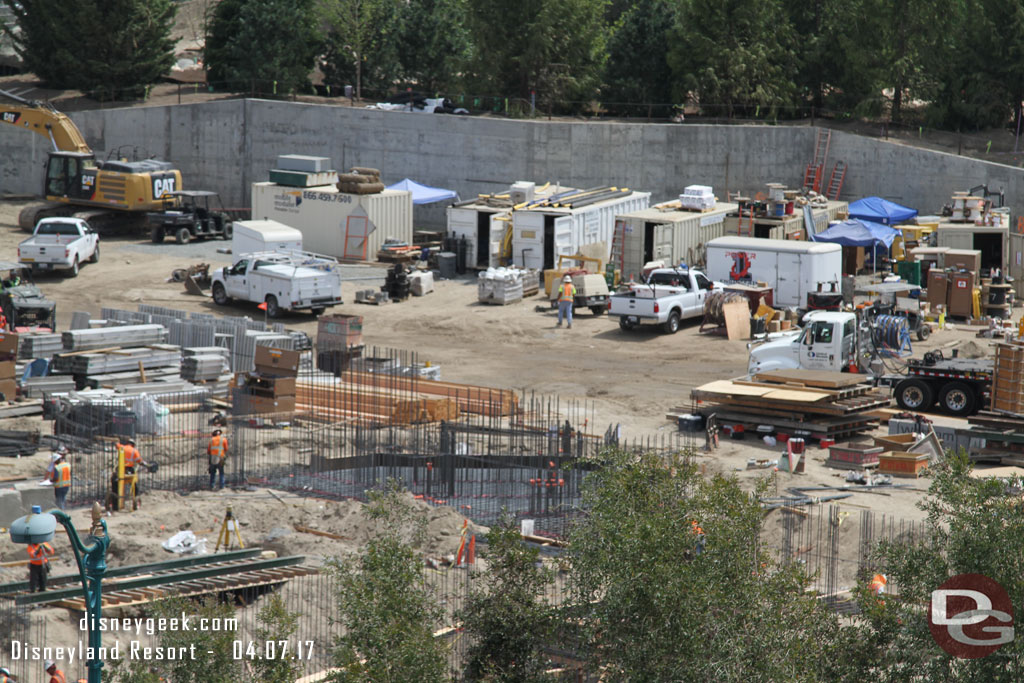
(859, 233)
(880, 210)
(423, 194)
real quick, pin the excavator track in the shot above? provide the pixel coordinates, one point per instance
(104, 222)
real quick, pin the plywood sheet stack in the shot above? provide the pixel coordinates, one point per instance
(825, 405)
(373, 405)
(470, 399)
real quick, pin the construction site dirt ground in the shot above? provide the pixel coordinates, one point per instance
(627, 378)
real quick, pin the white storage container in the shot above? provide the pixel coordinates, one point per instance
(249, 237)
(791, 268)
(346, 226)
(669, 236)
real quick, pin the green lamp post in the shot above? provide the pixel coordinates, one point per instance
(91, 556)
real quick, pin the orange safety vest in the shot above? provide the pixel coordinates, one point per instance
(58, 677)
(567, 292)
(63, 471)
(37, 553)
(132, 456)
(218, 449)
(877, 585)
(696, 529)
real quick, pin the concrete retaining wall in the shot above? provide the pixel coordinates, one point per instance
(226, 145)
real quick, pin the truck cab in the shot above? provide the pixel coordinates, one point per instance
(828, 341)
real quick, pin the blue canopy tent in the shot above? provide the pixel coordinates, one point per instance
(859, 233)
(422, 194)
(880, 210)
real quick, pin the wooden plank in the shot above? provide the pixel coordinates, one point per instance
(812, 378)
(729, 388)
(737, 320)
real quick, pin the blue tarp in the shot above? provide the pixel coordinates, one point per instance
(422, 194)
(880, 211)
(858, 233)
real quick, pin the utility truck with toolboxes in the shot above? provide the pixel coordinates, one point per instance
(791, 268)
(667, 297)
(843, 341)
(60, 244)
(284, 281)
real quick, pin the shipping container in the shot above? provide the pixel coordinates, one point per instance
(484, 227)
(789, 227)
(543, 233)
(346, 226)
(792, 268)
(249, 237)
(669, 235)
(991, 240)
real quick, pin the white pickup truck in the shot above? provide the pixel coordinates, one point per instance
(667, 297)
(284, 281)
(60, 244)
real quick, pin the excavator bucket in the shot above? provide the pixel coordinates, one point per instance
(193, 287)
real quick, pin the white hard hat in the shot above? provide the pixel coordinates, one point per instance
(5, 671)
(55, 456)
(567, 279)
(47, 664)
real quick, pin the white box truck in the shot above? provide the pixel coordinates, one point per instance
(255, 236)
(792, 268)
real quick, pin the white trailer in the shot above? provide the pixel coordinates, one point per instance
(342, 225)
(668, 234)
(543, 233)
(253, 236)
(793, 269)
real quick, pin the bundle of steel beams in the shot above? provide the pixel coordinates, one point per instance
(117, 361)
(111, 337)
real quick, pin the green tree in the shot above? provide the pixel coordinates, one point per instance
(386, 615)
(213, 660)
(507, 619)
(111, 49)
(734, 54)
(657, 604)
(434, 45)
(974, 526)
(362, 43)
(556, 47)
(637, 70)
(269, 45)
(276, 623)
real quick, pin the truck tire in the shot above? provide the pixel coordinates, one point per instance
(957, 398)
(74, 267)
(923, 332)
(913, 394)
(273, 309)
(95, 258)
(318, 311)
(626, 324)
(229, 230)
(220, 295)
(183, 236)
(156, 234)
(598, 310)
(671, 325)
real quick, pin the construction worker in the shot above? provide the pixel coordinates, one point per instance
(217, 450)
(133, 463)
(56, 675)
(6, 675)
(877, 584)
(566, 296)
(39, 555)
(698, 533)
(61, 477)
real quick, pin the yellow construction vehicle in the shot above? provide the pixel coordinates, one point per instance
(120, 192)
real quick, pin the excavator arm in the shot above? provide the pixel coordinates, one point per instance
(43, 119)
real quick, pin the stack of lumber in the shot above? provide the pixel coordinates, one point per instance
(1003, 435)
(372, 405)
(825, 405)
(470, 399)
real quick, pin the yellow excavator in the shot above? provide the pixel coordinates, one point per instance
(112, 195)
